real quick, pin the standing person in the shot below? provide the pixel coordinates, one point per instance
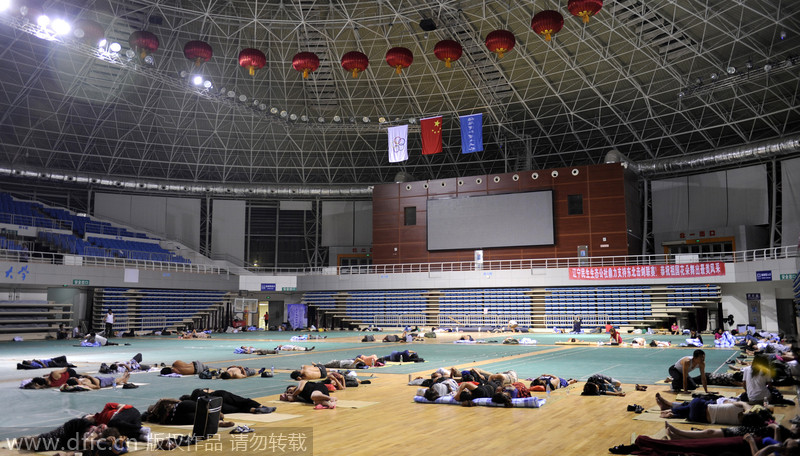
(266, 321)
(109, 332)
(680, 372)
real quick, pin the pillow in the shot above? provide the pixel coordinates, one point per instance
(538, 388)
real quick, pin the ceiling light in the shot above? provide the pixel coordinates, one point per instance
(293, 117)
(43, 21)
(184, 73)
(231, 94)
(337, 119)
(207, 84)
(304, 118)
(681, 94)
(382, 119)
(273, 110)
(262, 107)
(150, 60)
(115, 47)
(5, 4)
(284, 114)
(714, 76)
(130, 54)
(197, 80)
(321, 119)
(768, 66)
(61, 27)
(731, 69)
(352, 120)
(783, 35)
(242, 98)
(749, 65)
(102, 43)
(365, 119)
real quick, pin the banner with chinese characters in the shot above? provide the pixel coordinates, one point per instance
(664, 271)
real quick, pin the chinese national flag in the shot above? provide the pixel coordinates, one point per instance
(431, 135)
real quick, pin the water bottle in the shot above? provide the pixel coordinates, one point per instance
(114, 384)
(547, 388)
(272, 370)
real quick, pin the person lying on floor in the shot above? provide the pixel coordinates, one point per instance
(54, 379)
(234, 372)
(312, 372)
(554, 381)
(78, 435)
(184, 368)
(96, 340)
(601, 384)
(85, 382)
(181, 411)
(58, 361)
(310, 393)
(402, 356)
(701, 410)
(133, 365)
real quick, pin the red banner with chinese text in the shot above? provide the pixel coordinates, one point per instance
(663, 271)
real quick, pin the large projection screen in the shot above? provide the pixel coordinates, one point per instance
(477, 222)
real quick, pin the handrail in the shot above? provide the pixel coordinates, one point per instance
(540, 263)
(109, 262)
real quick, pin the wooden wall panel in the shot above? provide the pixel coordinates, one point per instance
(386, 191)
(604, 206)
(442, 186)
(413, 234)
(604, 213)
(502, 183)
(384, 206)
(386, 221)
(470, 184)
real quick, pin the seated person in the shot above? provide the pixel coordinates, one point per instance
(310, 393)
(184, 368)
(234, 372)
(58, 361)
(62, 333)
(312, 372)
(554, 381)
(615, 338)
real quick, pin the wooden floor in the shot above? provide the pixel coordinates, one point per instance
(569, 424)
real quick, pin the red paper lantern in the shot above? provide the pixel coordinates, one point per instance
(307, 62)
(399, 58)
(90, 32)
(547, 23)
(354, 62)
(447, 51)
(500, 42)
(198, 51)
(143, 43)
(584, 8)
(252, 59)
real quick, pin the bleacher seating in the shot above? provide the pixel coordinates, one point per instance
(32, 318)
(634, 305)
(147, 310)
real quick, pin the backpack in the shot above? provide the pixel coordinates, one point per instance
(368, 338)
(208, 374)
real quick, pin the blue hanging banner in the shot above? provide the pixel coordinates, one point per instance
(471, 133)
